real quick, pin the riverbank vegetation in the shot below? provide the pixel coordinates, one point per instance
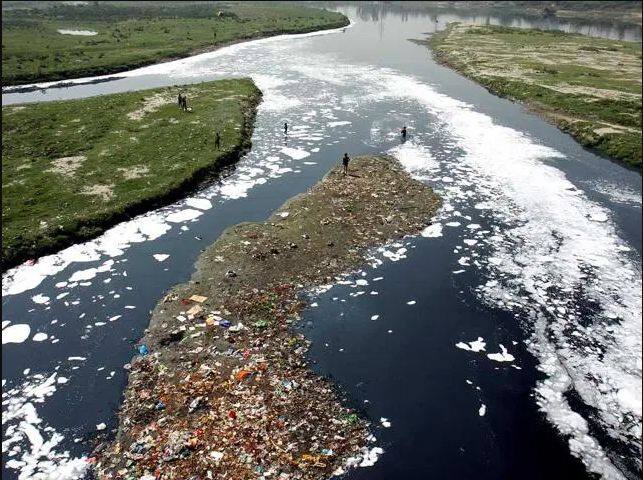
(588, 87)
(108, 37)
(73, 168)
(223, 384)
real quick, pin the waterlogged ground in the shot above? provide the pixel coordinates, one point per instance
(503, 342)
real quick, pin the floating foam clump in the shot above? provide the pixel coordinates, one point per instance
(17, 333)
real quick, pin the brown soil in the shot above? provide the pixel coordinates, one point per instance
(104, 192)
(67, 166)
(225, 391)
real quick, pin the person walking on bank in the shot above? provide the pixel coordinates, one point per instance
(217, 141)
(180, 100)
(185, 102)
(286, 128)
(345, 161)
(404, 133)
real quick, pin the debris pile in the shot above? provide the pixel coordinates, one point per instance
(221, 387)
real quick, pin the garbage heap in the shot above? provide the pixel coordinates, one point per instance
(220, 388)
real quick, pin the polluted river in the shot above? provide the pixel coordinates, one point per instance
(502, 342)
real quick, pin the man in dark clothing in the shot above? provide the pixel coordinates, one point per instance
(185, 102)
(286, 128)
(404, 133)
(180, 101)
(345, 161)
(217, 141)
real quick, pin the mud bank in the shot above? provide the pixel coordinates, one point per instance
(221, 384)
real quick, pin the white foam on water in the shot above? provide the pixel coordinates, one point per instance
(40, 299)
(474, 346)
(239, 189)
(368, 457)
(432, 231)
(549, 217)
(160, 257)
(617, 193)
(40, 337)
(33, 443)
(90, 273)
(82, 33)
(598, 217)
(295, 153)
(503, 356)
(112, 243)
(415, 158)
(279, 103)
(183, 215)
(16, 333)
(482, 410)
(200, 203)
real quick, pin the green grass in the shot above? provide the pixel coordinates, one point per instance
(132, 34)
(589, 87)
(138, 162)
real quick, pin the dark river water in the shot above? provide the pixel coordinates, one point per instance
(503, 342)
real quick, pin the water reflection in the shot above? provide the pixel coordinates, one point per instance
(440, 17)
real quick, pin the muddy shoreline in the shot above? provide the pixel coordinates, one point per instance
(221, 382)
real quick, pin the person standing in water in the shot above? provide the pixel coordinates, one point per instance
(345, 161)
(286, 128)
(217, 141)
(404, 133)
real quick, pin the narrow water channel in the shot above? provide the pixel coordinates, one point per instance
(536, 254)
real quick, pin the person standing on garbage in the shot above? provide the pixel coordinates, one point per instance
(217, 141)
(403, 132)
(180, 101)
(185, 102)
(345, 161)
(286, 128)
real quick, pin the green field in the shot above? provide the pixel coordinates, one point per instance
(133, 34)
(72, 168)
(589, 87)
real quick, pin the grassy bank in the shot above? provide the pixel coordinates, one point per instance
(73, 168)
(226, 387)
(588, 87)
(134, 34)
